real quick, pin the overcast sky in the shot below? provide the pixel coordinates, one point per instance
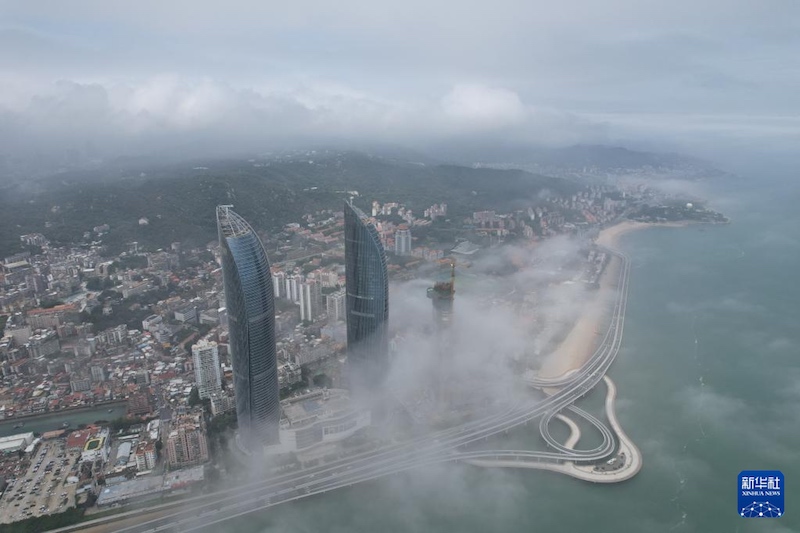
(704, 76)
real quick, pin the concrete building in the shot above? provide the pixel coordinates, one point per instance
(80, 384)
(53, 317)
(152, 323)
(323, 416)
(145, 456)
(134, 288)
(97, 446)
(113, 336)
(207, 372)
(186, 314)
(20, 334)
(222, 403)
(336, 305)
(186, 443)
(15, 443)
(98, 374)
(292, 286)
(139, 404)
(279, 284)
(310, 300)
(43, 344)
(289, 374)
(402, 241)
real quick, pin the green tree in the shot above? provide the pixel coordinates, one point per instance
(94, 284)
(194, 397)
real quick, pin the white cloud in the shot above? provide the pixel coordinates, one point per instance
(508, 71)
(481, 106)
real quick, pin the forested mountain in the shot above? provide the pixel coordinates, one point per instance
(178, 199)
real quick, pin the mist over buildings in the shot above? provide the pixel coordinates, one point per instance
(492, 341)
(90, 81)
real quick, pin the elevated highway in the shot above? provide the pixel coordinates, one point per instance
(208, 511)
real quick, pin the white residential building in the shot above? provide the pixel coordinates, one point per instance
(310, 300)
(206, 368)
(402, 242)
(335, 304)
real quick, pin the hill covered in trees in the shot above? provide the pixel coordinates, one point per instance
(178, 200)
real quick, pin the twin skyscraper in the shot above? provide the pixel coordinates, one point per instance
(249, 297)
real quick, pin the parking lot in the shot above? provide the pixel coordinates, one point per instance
(43, 488)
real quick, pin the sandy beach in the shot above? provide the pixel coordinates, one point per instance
(582, 340)
(610, 236)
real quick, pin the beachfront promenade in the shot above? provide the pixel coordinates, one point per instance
(210, 511)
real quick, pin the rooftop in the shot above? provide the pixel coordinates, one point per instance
(315, 405)
(230, 223)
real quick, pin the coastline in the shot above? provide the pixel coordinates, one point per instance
(609, 237)
(581, 341)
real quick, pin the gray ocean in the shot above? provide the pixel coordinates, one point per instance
(709, 385)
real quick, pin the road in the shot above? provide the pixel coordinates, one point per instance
(208, 511)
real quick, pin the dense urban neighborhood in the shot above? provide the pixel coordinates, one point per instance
(139, 341)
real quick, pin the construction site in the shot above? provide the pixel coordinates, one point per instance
(447, 392)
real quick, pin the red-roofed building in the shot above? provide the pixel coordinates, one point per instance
(77, 439)
(139, 404)
(53, 316)
(169, 374)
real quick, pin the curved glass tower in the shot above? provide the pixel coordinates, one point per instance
(367, 299)
(251, 324)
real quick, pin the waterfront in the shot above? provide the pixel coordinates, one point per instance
(53, 421)
(707, 385)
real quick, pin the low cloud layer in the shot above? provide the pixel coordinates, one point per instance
(99, 81)
(173, 112)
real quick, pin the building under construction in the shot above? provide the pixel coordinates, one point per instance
(449, 394)
(442, 295)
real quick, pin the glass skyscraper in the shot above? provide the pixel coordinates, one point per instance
(367, 299)
(249, 296)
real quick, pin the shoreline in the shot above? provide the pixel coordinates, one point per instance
(609, 237)
(581, 341)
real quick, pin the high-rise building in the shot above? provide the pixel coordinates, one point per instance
(279, 284)
(442, 295)
(207, 373)
(310, 300)
(292, 289)
(402, 241)
(335, 306)
(145, 456)
(249, 298)
(186, 442)
(367, 289)
(222, 403)
(98, 373)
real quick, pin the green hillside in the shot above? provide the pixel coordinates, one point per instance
(179, 200)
